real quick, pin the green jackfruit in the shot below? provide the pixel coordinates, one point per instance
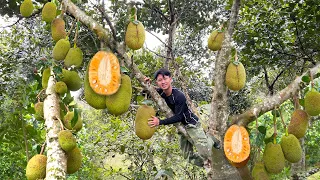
(67, 140)
(45, 77)
(235, 76)
(215, 40)
(26, 8)
(36, 167)
(291, 148)
(119, 102)
(273, 158)
(74, 160)
(135, 35)
(95, 100)
(61, 88)
(38, 108)
(74, 57)
(67, 122)
(72, 79)
(299, 123)
(312, 102)
(259, 172)
(58, 30)
(142, 129)
(49, 12)
(61, 49)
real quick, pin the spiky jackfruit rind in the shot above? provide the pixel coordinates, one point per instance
(298, 125)
(215, 40)
(61, 49)
(38, 108)
(142, 129)
(36, 167)
(67, 122)
(235, 76)
(72, 79)
(61, 88)
(135, 35)
(26, 8)
(312, 102)
(74, 160)
(66, 140)
(58, 30)
(45, 77)
(291, 148)
(273, 158)
(49, 12)
(119, 102)
(259, 172)
(74, 57)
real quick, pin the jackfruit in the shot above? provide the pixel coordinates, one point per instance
(26, 8)
(67, 122)
(235, 76)
(74, 160)
(299, 123)
(74, 57)
(95, 100)
(291, 148)
(58, 30)
(273, 158)
(215, 40)
(61, 49)
(142, 129)
(49, 12)
(45, 77)
(38, 108)
(72, 79)
(67, 140)
(119, 102)
(135, 35)
(312, 102)
(61, 88)
(259, 172)
(36, 167)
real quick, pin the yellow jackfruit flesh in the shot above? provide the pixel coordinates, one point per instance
(72, 79)
(26, 8)
(49, 12)
(61, 49)
(74, 57)
(119, 102)
(58, 30)
(66, 140)
(95, 100)
(259, 172)
(312, 102)
(38, 108)
(142, 129)
(135, 35)
(61, 88)
(235, 76)
(298, 123)
(45, 77)
(291, 148)
(67, 122)
(273, 158)
(74, 160)
(36, 167)
(215, 40)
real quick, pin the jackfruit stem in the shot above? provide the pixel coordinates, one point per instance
(275, 129)
(283, 123)
(76, 35)
(43, 147)
(311, 80)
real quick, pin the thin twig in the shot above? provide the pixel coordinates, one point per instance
(43, 147)
(157, 53)
(158, 39)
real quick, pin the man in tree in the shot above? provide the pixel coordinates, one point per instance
(176, 101)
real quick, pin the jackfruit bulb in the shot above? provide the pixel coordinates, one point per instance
(235, 76)
(74, 160)
(67, 120)
(291, 148)
(72, 79)
(58, 30)
(26, 8)
(61, 88)
(259, 172)
(38, 108)
(215, 40)
(142, 129)
(298, 123)
(66, 140)
(36, 167)
(135, 35)
(61, 49)
(45, 77)
(49, 12)
(119, 102)
(273, 158)
(312, 102)
(74, 57)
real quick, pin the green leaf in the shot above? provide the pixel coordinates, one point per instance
(75, 117)
(305, 79)
(262, 129)
(123, 69)
(301, 102)
(164, 173)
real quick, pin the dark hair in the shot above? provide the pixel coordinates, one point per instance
(163, 72)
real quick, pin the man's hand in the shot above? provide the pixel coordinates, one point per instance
(147, 80)
(153, 122)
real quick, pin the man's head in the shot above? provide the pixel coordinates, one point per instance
(163, 78)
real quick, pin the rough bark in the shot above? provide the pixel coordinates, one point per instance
(56, 158)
